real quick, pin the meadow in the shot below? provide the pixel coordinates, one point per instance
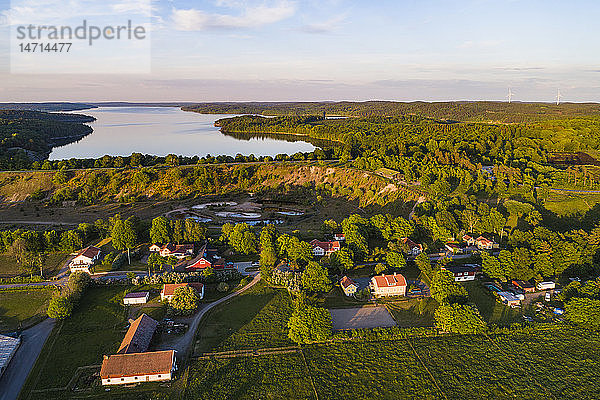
(20, 309)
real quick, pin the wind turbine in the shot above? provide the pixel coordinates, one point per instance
(558, 97)
(510, 95)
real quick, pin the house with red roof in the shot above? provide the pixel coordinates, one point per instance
(168, 289)
(128, 368)
(348, 286)
(484, 243)
(139, 335)
(324, 248)
(84, 260)
(411, 248)
(388, 285)
(208, 258)
(172, 249)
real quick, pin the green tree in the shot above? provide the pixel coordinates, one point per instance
(458, 318)
(160, 231)
(315, 278)
(584, 312)
(185, 299)
(444, 289)
(124, 235)
(309, 324)
(60, 307)
(395, 259)
(492, 267)
(342, 259)
(424, 264)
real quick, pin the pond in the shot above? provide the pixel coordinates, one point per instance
(168, 130)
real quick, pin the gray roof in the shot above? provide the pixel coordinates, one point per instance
(8, 346)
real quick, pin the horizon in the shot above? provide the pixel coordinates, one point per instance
(303, 50)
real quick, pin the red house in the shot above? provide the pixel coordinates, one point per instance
(208, 258)
(324, 248)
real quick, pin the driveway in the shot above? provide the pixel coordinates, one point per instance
(182, 344)
(32, 341)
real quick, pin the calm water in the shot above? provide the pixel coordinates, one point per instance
(165, 130)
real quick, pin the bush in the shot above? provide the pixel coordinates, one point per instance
(185, 300)
(60, 307)
(222, 287)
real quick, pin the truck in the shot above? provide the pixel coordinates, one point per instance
(546, 285)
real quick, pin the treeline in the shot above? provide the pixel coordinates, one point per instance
(29, 135)
(482, 111)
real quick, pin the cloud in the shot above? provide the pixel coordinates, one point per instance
(252, 15)
(327, 26)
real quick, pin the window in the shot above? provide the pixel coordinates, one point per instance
(108, 380)
(135, 378)
(122, 379)
(159, 376)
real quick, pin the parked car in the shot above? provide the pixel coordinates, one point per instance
(547, 296)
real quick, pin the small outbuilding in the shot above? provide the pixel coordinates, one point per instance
(136, 298)
(348, 286)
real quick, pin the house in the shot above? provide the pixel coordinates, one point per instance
(324, 248)
(411, 248)
(207, 258)
(136, 298)
(171, 249)
(138, 336)
(469, 240)
(348, 286)
(84, 260)
(122, 369)
(452, 248)
(340, 237)
(509, 299)
(169, 289)
(388, 285)
(483, 243)
(462, 272)
(8, 348)
(526, 287)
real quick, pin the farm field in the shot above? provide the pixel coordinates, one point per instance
(95, 328)
(567, 204)
(558, 363)
(255, 319)
(22, 308)
(53, 263)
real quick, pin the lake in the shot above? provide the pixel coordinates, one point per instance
(167, 130)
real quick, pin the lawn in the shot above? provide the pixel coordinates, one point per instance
(96, 328)
(255, 319)
(22, 308)
(53, 263)
(413, 312)
(565, 204)
(491, 310)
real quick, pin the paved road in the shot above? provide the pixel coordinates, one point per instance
(183, 344)
(24, 222)
(33, 340)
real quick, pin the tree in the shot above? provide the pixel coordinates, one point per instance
(155, 261)
(309, 324)
(240, 237)
(342, 259)
(424, 264)
(329, 227)
(395, 259)
(584, 312)
(315, 278)
(60, 307)
(458, 318)
(124, 235)
(444, 289)
(160, 231)
(380, 268)
(185, 299)
(492, 267)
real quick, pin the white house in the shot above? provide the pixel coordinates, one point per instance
(412, 248)
(388, 285)
(136, 298)
(324, 248)
(348, 286)
(168, 290)
(123, 369)
(462, 272)
(84, 260)
(484, 243)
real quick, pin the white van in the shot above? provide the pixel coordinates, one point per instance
(546, 285)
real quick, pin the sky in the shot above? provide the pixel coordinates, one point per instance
(311, 50)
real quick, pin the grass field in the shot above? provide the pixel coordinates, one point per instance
(255, 319)
(413, 312)
(22, 309)
(8, 267)
(566, 204)
(558, 364)
(95, 328)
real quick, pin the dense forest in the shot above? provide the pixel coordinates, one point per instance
(30, 135)
(481, 111)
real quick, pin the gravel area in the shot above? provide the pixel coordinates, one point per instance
(361, 317)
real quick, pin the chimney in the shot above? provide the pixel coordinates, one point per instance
(106, 357)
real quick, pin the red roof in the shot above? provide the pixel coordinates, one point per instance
(151, 363)
(410, 243)
(345, 282)
(138, 336)
(390, 280)
(89, 252)
(175, 248)
(484, 240)
(169, 288)
(327, 246)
